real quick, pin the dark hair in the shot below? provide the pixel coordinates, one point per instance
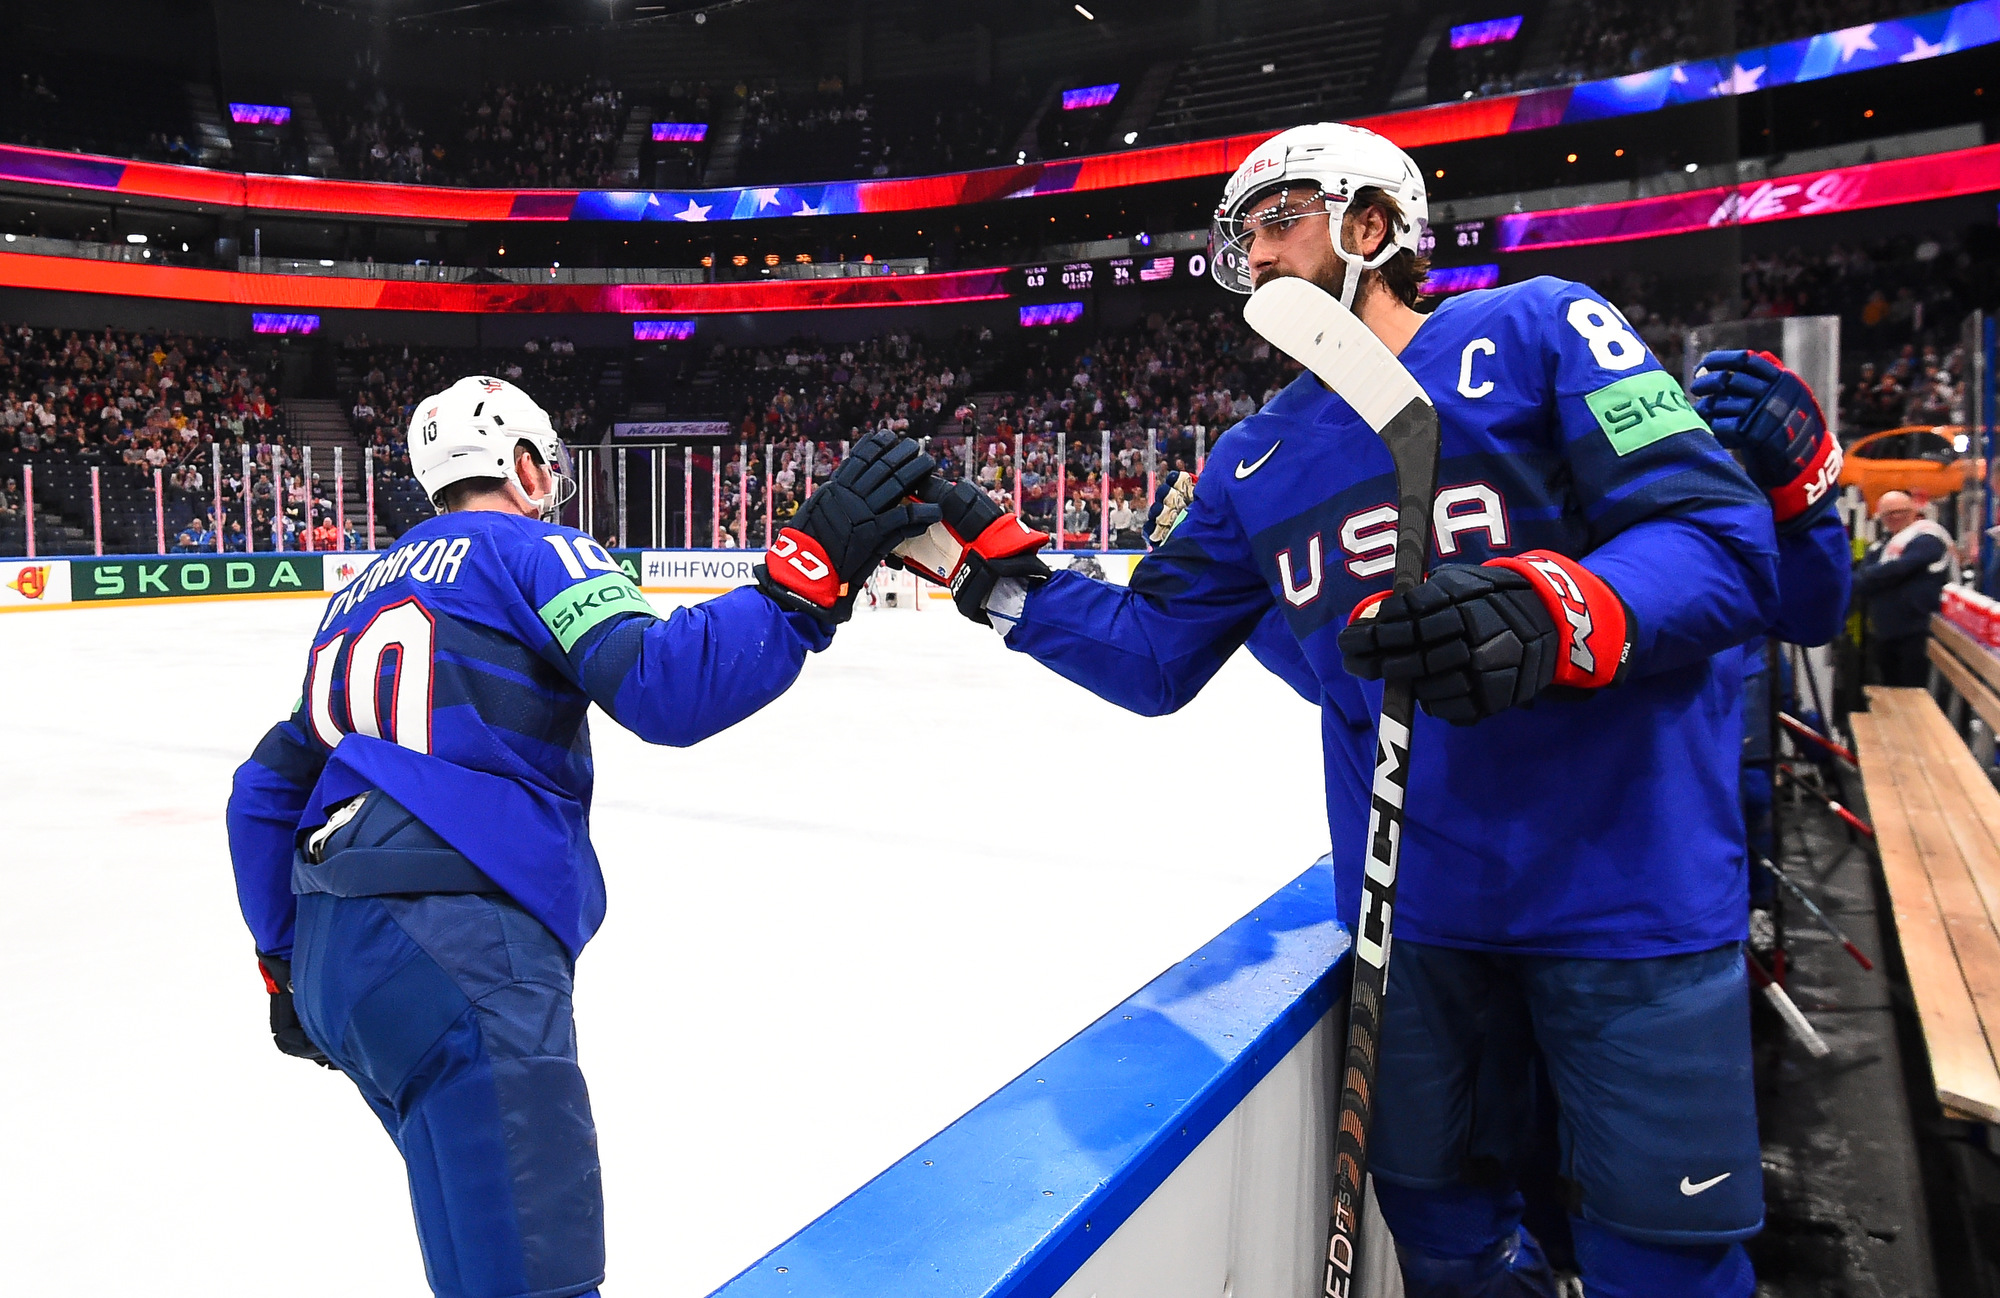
(453, 496)
(1403, 274)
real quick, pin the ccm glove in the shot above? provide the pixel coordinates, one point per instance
(1767, 415)
(285, 1027)
(973, 547)
(1170, 501)
(817, 563)
(1479, 640)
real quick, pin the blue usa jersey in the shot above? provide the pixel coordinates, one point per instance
(1600, 826)
(454, 675)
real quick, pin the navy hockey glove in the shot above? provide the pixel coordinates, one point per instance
(817, 563)
(1479, 640)
(1766, 414)
(285, 1027)
(973, 547)
(1170, 501)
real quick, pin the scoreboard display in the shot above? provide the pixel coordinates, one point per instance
(1458, 241)
(1110, 272)
(1448, 244)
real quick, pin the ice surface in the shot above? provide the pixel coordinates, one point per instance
(832, 930)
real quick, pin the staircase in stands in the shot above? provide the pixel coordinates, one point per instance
(321, 424)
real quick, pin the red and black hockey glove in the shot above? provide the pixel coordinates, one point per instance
(817, 563)
(1769, 417)
(973, 546)
(286, 1029)
(1476, 641)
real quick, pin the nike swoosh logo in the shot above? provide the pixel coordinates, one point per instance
(1245, 470)
(1692, 1188)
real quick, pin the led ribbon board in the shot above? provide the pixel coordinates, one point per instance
(1089, 97)
(1855, 49)
(1491, 32)
(282, 322)
(1812, 193)
(259, 114)
(331, 292)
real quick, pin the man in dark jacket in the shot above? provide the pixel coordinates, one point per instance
(1899, 581)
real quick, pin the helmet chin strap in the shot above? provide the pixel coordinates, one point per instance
(547, 507)
(1350, 283)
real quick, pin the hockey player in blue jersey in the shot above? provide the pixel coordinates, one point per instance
(1573, 858)
(412, 847)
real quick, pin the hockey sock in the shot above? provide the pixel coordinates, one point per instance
(1461, 1241)
(1616, 1267)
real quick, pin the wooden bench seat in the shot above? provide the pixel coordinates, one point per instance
(1971, 668)
(1937, 827)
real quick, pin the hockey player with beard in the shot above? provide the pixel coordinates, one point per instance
(1573, 862)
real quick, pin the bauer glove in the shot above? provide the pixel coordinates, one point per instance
(1769, 417)
(973, 547)
(1175, 494)
(818, 562)
(1479, 640)
(286, 1029)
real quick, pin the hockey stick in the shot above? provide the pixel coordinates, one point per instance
(1825, 920)
(1806, 732)
(1787, 1009)
(1311, 327)
(1853, 821)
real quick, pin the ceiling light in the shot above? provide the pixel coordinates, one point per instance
(1691, 168)
(135, 238)
(1131, 137)
(1085, 12)
(326, 261)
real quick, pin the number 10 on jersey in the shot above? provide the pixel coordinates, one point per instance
(388, 675)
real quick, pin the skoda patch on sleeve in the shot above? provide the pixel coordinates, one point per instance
(570, 614)
(1639, 411)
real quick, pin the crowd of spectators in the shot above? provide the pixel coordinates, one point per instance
(815, 134)
(509, 135)
(129, 404)
(1172, 383)
(1614, 37)
(828, 132)
(1901, 302)
(381, 384)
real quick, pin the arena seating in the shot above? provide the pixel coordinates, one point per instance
(1936, 815)
(127, 403)
(1611, 40)
(508, 135)
(569, 135)
(118, 107)
(1317, 71)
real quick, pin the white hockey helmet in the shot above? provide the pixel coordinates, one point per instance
(470, 430)
(1326, 157)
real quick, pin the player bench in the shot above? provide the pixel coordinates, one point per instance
(1970, 668)
(1937, 829)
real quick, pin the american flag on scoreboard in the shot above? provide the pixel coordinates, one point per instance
(1157, 268)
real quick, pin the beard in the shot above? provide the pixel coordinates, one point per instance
(1330, 276)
